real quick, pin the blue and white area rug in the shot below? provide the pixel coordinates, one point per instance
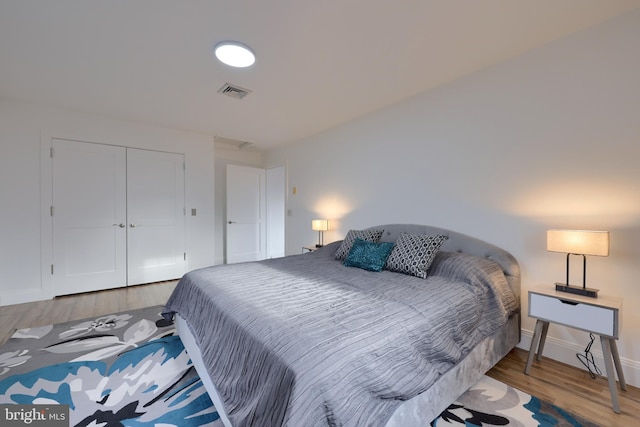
(126, 369)
(493, 403)
(130, 369)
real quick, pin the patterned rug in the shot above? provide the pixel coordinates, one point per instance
(130, 369)
(492, 403)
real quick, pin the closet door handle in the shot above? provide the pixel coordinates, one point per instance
(121, 225)
(134, 225)
(231, 222)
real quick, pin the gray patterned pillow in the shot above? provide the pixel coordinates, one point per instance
(413, 254)
(352, 235)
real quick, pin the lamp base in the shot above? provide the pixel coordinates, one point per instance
(587, 292)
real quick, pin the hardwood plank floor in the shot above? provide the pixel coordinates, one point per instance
(569, 388)
(566, 386)
(81, 306)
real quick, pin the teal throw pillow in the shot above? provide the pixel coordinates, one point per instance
(368, 255)
(368, 235)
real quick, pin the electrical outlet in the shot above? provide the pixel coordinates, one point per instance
(193, 211)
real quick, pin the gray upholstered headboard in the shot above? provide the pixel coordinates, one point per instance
(458, 242)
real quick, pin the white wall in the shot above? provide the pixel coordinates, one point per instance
(549, 139)
(21, 127)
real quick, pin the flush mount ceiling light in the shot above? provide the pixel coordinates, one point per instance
(234, 54)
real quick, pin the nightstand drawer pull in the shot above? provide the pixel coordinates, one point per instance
(568, 302)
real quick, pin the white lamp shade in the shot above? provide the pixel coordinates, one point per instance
(320, 225)
(581, 242)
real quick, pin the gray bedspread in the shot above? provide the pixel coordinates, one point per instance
(304, 341)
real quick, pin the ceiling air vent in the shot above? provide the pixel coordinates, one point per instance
(234, 91)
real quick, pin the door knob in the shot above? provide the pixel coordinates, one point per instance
(231, 222)
(121, 225)
(134, 225)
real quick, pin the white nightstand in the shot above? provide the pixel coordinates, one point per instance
(597, 315)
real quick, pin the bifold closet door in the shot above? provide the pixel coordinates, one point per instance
(155, 216)
(88, 217)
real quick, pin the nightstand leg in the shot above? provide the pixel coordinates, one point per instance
(611, 376)
(616, 362)
(543, 339)
(535, 340)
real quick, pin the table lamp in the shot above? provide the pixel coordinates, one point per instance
(578, 242)
(320, 225)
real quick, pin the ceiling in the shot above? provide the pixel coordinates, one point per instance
(319, 63)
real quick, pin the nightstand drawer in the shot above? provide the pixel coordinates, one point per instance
(592, 318)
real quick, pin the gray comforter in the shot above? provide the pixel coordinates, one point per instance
(304, 341)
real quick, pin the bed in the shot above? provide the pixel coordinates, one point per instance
(306, 341)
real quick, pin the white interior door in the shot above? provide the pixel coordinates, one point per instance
(276, 195)
(155, 216)
(88, 217)
(245, 214)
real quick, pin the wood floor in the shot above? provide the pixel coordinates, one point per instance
(565, 386)
(569, 388)
(81, 306)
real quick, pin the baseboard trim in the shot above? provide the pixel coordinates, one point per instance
(565, 352)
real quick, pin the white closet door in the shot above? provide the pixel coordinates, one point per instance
(88, 217)
(155, 216)
(245, 214)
